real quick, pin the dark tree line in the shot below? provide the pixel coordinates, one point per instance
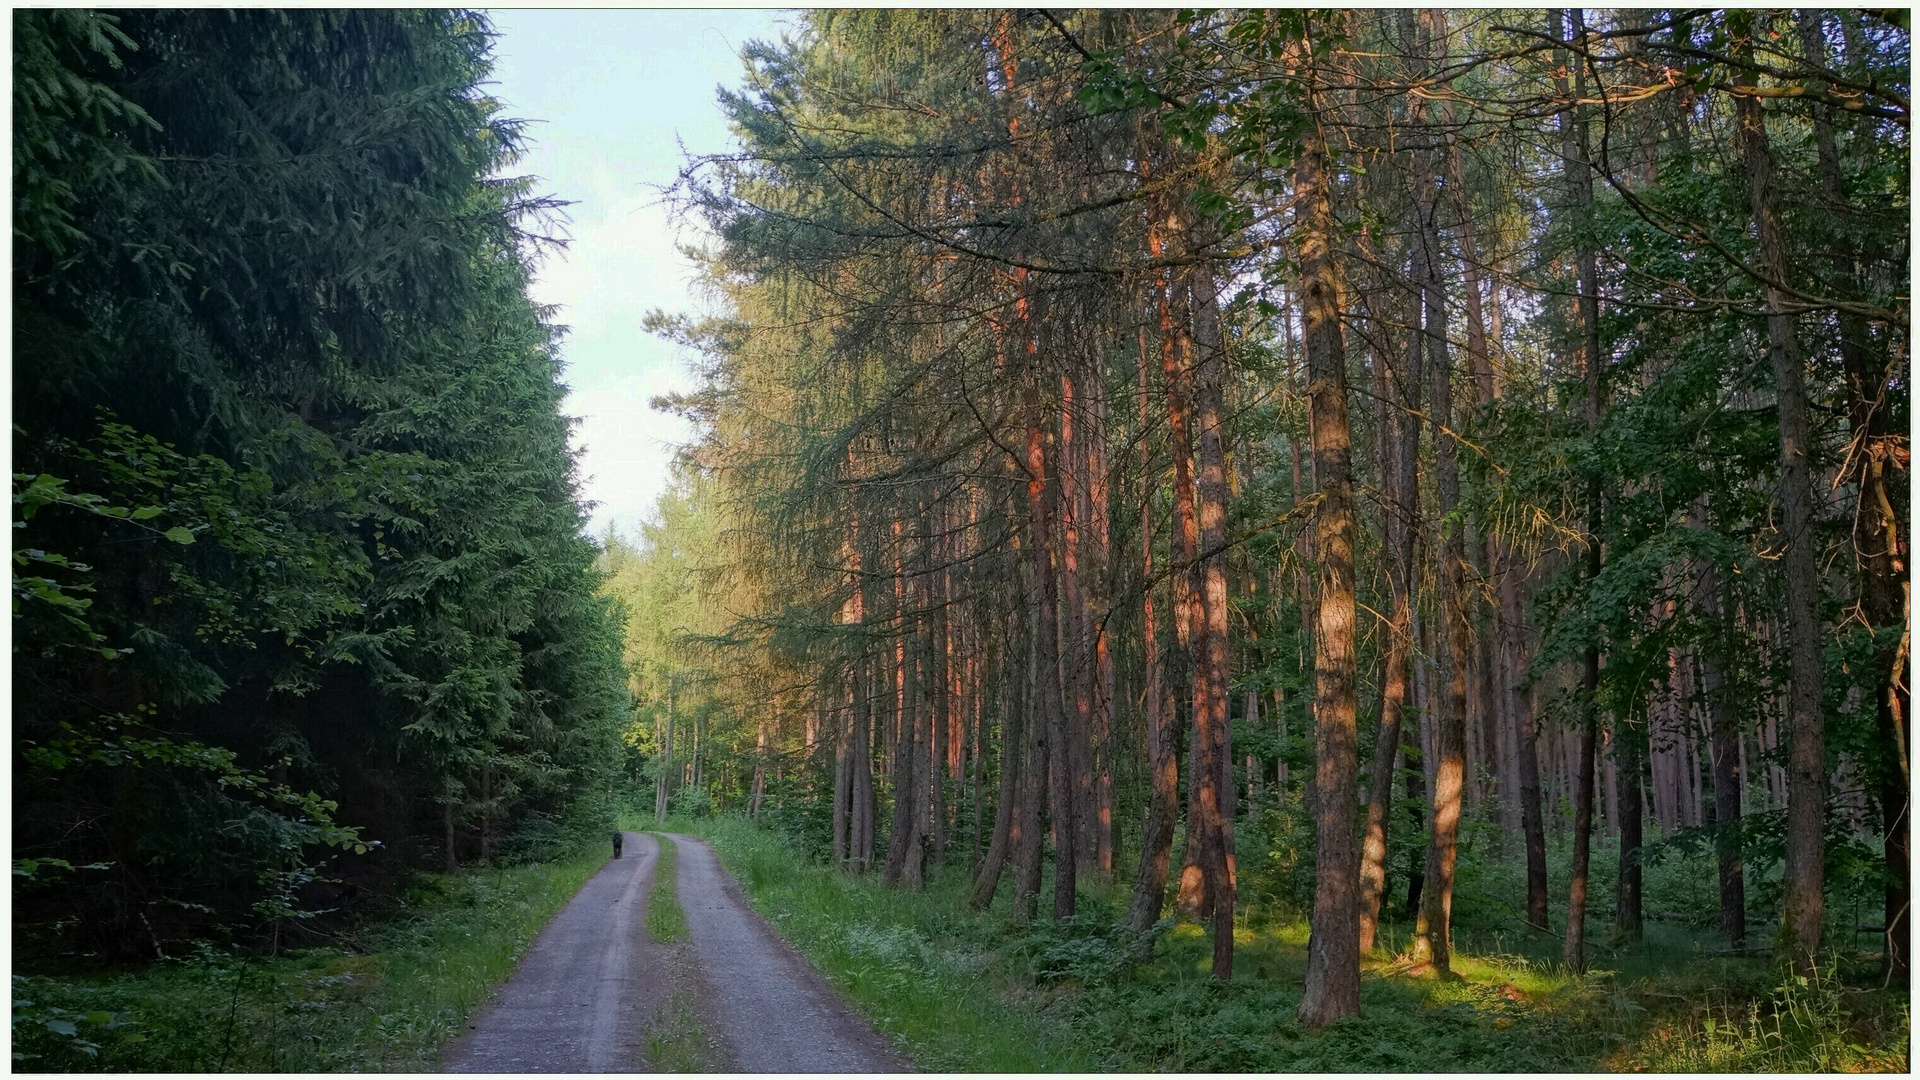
(299, 566)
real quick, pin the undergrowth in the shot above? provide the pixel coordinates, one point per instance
(927, 973)
(387, 1000)
(965, 991)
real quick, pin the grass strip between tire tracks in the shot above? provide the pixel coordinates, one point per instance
(666, 923)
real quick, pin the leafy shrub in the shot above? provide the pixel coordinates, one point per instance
(1090, 947)
(691, 802)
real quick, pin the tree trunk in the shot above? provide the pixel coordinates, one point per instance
(1526, 737)
(1051, 710)
(1333, 956)
(1187, 587)
(1027, 820)
(1076, 643)
(1433, 930)
(860, 790)
(1412, 795)
(1803, 900)
(843, 780)
(1163, 807)
(1213, 667)
(1397, 393)
(1631, 761)
(1880, 546)
(758, 790)
(1004, 819)
(1580, 181)
(661, 792)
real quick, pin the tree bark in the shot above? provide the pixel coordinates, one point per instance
(1051, 709)
(1332, 989)
(1631, 763)
(1163, 807)
(1400, 480)
(1213, 667)
(1878, 474)
(1432, 934)
(1004, 818)
(1803, 902)
(842, 780)
(1526, 737)
(1580, 183)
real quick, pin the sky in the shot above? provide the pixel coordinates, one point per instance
(620, 98)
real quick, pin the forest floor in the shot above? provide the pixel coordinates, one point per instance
(961, 991)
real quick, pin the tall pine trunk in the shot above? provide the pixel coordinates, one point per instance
(1163, 807)
(1332, 989)
(1803, 901)
(1212, 664)
(1580, 185)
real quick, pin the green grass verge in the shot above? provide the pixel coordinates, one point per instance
(966, 992)
(920, 967)
(389, 1006)
(666, 923)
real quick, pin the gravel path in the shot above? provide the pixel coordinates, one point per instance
(579, 1001)
(773, 1010)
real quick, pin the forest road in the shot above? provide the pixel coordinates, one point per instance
(776, 1014)
(580, 998)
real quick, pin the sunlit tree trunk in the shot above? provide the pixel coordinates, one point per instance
(1332, 989)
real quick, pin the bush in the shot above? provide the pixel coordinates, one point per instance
(691, 802)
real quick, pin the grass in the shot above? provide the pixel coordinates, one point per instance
(923, 970)
(666, 923)
(675, 1041)
(964, 991)
(387, 1003)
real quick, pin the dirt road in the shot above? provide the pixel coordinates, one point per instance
(774, 1011)
(580, 997)
(592, 988)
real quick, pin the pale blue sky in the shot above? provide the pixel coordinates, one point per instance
(616, 94)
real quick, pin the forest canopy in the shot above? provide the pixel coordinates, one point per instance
(1478, 436)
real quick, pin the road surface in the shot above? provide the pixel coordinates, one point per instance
(775, 1012)
(580, 997)
(592, 985)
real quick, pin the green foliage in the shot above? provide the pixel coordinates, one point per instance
(1089, 948)
(299, 562)
(1806, 1024)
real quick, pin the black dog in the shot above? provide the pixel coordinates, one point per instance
(619, 840)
